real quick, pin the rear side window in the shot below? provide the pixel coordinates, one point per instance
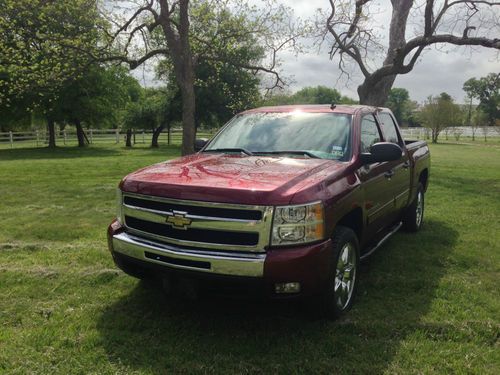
(388, 127)
(369, 133)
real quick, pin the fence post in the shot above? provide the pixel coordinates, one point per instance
(117, 133)
(91, 137)
(143, 140)
(11, 139)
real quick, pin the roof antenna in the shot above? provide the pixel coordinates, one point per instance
(333, 106)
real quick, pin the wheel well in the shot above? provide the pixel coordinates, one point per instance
(353, 220)
(423, 178)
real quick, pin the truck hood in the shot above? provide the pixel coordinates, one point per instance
(254, 180)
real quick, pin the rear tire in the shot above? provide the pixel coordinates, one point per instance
(342, 284)
(414, 215)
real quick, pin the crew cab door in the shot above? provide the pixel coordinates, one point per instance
(400, 169)
(375, 179)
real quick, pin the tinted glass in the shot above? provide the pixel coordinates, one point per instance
(388, 128)
(326, 135)
(369, 133)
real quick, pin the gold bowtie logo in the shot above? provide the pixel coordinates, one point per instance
(179, 220)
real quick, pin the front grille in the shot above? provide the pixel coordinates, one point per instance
(193, 234)
(207, 226)
(220, 212)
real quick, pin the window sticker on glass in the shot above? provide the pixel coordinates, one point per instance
(337, 151)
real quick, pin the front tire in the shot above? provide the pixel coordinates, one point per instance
(338, 297)
(414, 215)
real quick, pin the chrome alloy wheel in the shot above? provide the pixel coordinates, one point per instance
(345, 276)
(419, 209)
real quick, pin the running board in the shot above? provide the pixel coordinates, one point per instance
(394, 229)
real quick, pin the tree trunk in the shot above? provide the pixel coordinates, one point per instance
(177, 37)
(375, 93)
(52, 132)
(188, 117)
(128, 138)
(156, 135)
(435, 135)
(80, 134)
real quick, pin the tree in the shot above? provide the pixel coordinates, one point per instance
(222, 88)
(40, 44)
(438, 113)
(179, 23)
(97, 98)
(155, 110)
(350, 32)
(399, 102)
(310, 95)
(487, 91)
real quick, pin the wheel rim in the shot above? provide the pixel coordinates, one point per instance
(420, 208)
(345, 276)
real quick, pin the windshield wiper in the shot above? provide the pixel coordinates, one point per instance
(295, 152)
(242, 150)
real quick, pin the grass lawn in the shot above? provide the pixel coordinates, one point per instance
(428, 303)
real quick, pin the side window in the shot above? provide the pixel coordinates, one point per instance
(369, 133)
(388, 128)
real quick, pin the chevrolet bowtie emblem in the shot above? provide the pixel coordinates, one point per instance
(179, 220)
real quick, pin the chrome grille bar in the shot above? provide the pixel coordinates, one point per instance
(212, 226)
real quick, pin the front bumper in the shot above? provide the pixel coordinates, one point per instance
(169, 256)
(307, 265)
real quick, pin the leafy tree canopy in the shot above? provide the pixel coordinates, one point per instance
(41, 44)
(487, 91)
(226, 46)
(98, 97)
(438, 113)
(309, 95)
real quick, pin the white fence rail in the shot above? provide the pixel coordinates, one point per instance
(94, 136)
(453, 132)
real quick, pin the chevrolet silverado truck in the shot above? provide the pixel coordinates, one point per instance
(283, 201)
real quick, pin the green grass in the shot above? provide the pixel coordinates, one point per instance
(427, 303)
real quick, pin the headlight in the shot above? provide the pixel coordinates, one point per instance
(298, 224)
(119, 205)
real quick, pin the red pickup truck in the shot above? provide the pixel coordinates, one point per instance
(284, 201)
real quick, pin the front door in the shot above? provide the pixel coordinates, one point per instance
(400, 169)
(376, 178)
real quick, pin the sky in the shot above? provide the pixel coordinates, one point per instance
(436, 72)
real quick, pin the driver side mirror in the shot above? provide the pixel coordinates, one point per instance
(199, 144)
(382, 151)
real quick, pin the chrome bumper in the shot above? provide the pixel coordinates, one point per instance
(250, 265)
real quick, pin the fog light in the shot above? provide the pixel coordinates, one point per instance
(282, 288)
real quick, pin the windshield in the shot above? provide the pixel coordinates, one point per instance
(321, 135)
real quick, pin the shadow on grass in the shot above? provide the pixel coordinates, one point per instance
(147, 331)
(70, 152)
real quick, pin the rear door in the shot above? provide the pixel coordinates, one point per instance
(378, 195)
(400, 169)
